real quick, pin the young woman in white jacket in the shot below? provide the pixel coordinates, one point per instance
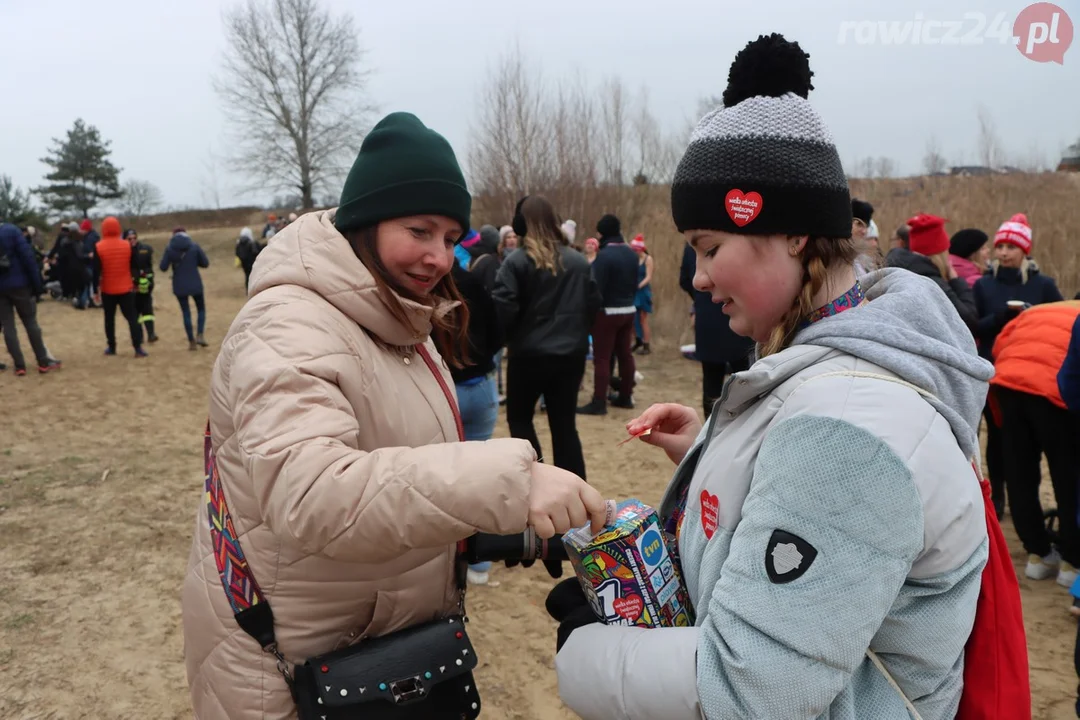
(830, 507)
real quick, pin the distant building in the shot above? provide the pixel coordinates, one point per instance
(970, 170)
(1070, 161)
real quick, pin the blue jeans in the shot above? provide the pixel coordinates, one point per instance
(498, 370)
(479, 405)
(185, 309)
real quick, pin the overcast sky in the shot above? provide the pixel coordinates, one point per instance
(140, 71)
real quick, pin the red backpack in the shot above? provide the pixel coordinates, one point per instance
(996, 682)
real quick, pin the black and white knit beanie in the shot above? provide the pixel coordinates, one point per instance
(764, 163)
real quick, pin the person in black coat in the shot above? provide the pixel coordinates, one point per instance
(1014, 276)
(546, 302)
(720, 350)
(142, 257)
(68, 255)
(484, 257)
(927, 254)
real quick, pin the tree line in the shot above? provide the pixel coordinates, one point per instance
(293, 84)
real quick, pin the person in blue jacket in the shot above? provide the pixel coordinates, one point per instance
(1069, 386)
(1012, 277)
(716, 346)
(185, 257)
(828, 522)
(20, 285)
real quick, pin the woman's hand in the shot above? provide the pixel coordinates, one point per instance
(560, 501)
(674, 428)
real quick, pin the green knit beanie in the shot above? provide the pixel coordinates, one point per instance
(404, 168)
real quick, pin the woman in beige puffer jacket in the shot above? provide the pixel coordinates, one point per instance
(335, 443)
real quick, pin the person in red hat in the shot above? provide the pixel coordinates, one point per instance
(927, 254)
(643, 302)
(1013, 277)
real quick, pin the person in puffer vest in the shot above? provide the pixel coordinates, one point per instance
(115, 266)
(830, 508)
(1035, 420)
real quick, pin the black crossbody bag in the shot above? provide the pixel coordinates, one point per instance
(423, 672)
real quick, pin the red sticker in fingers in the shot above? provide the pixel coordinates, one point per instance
(710, 513)
(628, 607)
(634, 436)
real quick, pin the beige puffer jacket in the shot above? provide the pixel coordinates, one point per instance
(342, 472)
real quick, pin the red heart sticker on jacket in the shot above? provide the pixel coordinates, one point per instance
(742, 208)
(710, 511)
(628, 607)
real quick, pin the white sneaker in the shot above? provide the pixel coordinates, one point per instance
(474, 577)
(1041, 568)
(638, 377)
(1066, 575)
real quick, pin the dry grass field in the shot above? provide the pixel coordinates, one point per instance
(101, 478)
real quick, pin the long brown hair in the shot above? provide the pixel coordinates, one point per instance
(543, 234)
(450, 332)
(818, 256)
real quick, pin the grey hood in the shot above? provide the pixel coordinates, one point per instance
(910, 328)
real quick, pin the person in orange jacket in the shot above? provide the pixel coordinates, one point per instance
(115, 266)
(1035, 420)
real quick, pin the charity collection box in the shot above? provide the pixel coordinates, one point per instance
(627, 572)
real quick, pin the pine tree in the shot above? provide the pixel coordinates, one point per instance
(82, 173)
(16, 207)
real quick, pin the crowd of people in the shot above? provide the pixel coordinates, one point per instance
(349, 451)
(356, 395)
(111, 270)
(990, 281)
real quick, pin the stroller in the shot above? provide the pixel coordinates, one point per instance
(51, 274)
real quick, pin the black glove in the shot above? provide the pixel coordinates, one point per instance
(566, 604)
(556, 555)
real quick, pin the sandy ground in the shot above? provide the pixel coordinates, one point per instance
(100, 480)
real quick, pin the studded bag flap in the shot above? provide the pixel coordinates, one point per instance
(420, 673)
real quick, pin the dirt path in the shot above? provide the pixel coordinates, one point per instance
(90, 568)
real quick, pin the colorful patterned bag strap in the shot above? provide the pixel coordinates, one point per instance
(249, 605)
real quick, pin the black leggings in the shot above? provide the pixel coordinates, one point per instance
(995, 464)
(558, 380)
(713, 376)
(1030, 427)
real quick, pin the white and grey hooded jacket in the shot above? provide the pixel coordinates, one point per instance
(848, 517)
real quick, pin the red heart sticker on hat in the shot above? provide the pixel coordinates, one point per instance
(742, 208)
(710, 513)
(628, 607)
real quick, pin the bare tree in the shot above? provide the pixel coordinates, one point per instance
(934, 161)
(1033, 161)
(210, 181)
(863, 168)
(884, 168)
(511, 136)
(138, 197)
(989, 144)
(293, 89)
(614, 138)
